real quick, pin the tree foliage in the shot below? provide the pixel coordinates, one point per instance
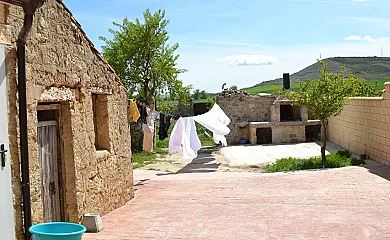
(141, 56)
(326, 97)
(233, 88)
(196, 94)
(204, 94)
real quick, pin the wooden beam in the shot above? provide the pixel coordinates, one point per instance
(19, 3)
(48, 107)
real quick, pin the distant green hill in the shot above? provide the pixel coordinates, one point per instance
(268, 88)
(368, 68)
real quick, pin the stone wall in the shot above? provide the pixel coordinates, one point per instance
(242, 107)
(64, 67)
(364, 126)
(184, 110)
(137, 136)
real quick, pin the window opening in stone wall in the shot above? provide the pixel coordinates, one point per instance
(100, 120)
(313, 133)
(290, 113)
(264, 135)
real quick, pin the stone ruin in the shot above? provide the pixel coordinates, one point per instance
(267, 119)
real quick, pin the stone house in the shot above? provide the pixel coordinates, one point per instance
(78, 133)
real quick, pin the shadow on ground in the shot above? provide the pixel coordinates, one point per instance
(205, 162)
(378, 169)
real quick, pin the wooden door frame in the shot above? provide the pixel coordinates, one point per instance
(60, 154)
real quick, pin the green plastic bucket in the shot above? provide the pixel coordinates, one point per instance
(57, 231)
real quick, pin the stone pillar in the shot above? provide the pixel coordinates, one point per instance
(252, 135)
(276, 112)
(304, 114)
(386, 94)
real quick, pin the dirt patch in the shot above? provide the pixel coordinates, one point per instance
(210, 159)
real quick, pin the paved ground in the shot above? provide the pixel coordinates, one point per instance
(261, 154)
(246, 158)
(347, 203)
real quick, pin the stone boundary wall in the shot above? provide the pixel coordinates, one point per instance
(363, 126)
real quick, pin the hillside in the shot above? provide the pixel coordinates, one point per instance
(368, 68)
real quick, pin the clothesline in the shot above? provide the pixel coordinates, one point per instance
(184, 137)
(174, 116)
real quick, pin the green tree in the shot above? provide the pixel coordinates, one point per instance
(203, 95)
(196, 94)
(233, 88)
(142, 58)
(326, 96)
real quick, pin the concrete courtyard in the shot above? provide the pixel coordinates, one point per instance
(345, 203)
(263, 154)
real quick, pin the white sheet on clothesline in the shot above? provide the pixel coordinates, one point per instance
(185, 139)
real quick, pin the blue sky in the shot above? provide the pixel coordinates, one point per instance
(244, 42)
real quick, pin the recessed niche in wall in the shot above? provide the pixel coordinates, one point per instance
(264, 135)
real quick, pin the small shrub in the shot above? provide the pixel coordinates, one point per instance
(334, 160)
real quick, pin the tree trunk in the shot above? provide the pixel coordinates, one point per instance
(324, 137)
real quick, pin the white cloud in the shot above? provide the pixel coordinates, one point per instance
(369, 39)
(353, 38)
(384, 39)
(244, 60)
(366, 38)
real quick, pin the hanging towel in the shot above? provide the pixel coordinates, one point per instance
(133, 111)
(148, 130)
(185, 139)
(216, 121)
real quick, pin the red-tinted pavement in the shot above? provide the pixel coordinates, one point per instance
(348, 203)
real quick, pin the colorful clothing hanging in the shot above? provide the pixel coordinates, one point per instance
(133, 112)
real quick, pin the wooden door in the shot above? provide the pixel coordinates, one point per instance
(48, 162)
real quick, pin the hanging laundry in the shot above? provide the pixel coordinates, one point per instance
(185, 139)
(148, 130)
(142, 111)
(155, 115)
(165, 122)
(133, 112)
(216, 121)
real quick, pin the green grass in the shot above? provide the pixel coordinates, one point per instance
(333, 160)
(295, 86)
(143, 158)
(381, 82)
(267, 88)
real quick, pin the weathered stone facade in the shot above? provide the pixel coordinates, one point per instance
(137, 136)
(64, 68)
(244, 108)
